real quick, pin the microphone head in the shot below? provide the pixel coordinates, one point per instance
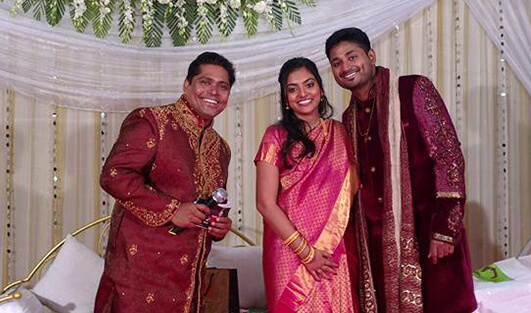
(220, 195)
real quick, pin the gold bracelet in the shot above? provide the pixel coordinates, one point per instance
(291, 238)
(309, 257)
(300, 249)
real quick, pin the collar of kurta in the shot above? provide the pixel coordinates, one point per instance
(184, 107)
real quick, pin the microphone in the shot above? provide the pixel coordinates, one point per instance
(219, 196)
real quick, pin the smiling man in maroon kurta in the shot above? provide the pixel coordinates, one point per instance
(165, 157)
(412, 195)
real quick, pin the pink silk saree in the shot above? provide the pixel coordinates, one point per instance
(316, 194)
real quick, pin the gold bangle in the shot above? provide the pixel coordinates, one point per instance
(300, 249)
(309, 257)
(291, 238)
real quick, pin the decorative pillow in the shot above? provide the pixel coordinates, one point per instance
(28, 303)
(71, 282)
(248, 262)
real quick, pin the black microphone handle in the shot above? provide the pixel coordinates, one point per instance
(208, 202)
(175, 230)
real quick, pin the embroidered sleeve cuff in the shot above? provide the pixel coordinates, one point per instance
(150, 217)
(443, 238)
(450, 195)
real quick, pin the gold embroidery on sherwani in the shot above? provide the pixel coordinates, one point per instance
(149, 217)
(207, 171)
(412, 298)
(184, 259)
(454, 218)
(150, 143)
(442, 237)
(207, 177)
(452, 195)
(150, 298)
(191, 288)
(367, 292)
(409, 270)
(162, 115)
(133, 249)
(153, 190)
(209, 162)
(448, 151)
(142, 113)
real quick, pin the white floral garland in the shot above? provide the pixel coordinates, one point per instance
(182, 17)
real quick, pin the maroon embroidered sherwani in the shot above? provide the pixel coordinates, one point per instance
(164, 156)
(433, 198)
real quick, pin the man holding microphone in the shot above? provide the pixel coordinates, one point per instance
(165, 158)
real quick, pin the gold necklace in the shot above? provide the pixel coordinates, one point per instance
(365, 134)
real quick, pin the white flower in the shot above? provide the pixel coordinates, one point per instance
(164, 1)
(79, 8)
(235, 3)
(17, 5)
(260, 7)
(200, 2)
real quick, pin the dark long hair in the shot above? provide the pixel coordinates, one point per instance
(294, 126)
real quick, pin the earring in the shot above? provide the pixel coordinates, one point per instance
(287, 107)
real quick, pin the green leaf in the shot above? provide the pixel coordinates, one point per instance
(491, 273)
(310, 3)
(26, 5)
(125, 26)
(277, 17)
(292, 12)
(225, 29)
(180, 36)
(39, 10)
(153, 32)
(54, 11)
(204, 23)
(250, 17)
(101, 22)
(81, 24)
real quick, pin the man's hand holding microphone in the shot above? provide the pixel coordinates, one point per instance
(211, 214)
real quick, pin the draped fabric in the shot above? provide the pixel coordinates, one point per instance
(316, 195)
(507, 23)
(444, 41)
(78, 70)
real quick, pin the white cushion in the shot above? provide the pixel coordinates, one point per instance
(28, 303)
(248, 262)
(71, 282)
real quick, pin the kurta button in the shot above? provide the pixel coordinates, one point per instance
(380, 200)
(373, 169)
(367, 110)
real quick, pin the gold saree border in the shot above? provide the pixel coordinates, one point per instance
(302, 283)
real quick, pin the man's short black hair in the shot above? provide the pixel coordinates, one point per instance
(351, 34)
(212, 58)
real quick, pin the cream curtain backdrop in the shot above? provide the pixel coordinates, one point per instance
(56, 134)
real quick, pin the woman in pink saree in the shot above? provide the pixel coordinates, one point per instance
(306, 182)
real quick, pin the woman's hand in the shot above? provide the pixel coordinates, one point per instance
(321, 267)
